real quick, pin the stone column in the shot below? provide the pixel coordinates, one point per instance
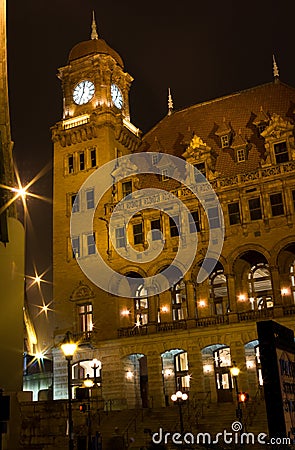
(190, 298)
(155, 380)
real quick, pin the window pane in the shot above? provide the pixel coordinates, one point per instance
(90, 199)
(85, 317)
(138, 233)
(75, 203)
(194, 220)
(174, 223)
(76, 247)
(120, 237)
(241, 156)
(81, 161)
(281, 152)
(90, 244)
(126, 188)
(93, 157)
(255, 209)
(156, 230)
(277, 207)
(71, 164)
(234, 213)
(213, 217)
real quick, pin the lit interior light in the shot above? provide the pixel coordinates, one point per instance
(39, 355)
(168, 372)
(164, 309)
(249, 364)
(207, 368)
(202, 303)
(125, 312)
(129, 375)
(242, 297)
(284, 291)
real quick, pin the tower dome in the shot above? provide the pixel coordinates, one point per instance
(94, 46)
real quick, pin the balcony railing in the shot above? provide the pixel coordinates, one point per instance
(256, 314)
(170, 326)
(214, 320)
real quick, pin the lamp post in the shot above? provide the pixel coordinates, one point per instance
(180, 397)
(69, 347)
(235, 373)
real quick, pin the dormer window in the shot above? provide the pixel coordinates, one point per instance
(224, 141)
(126, 188)
(281, 152)
(165, 175)
(241, 155)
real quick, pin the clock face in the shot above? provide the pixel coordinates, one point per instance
(117, 96)
(83, 92)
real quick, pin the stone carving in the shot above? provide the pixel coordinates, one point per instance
(82, 292)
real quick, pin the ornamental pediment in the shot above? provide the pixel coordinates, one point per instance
(196, 150)
(82, 292)
(278, 128)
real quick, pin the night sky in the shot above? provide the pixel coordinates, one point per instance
(201, 50)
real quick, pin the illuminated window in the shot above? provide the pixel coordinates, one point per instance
(281, 152)
(76, 247)
(174, 226)
(277, 206)
(70, 164)
(126, 188)
(93, 157)
(255, 208)
(90, 199)
(141, 306)
(241, 155)
(178, 298)
(75, 203)
(292, 277)
(85, 320)
(91, 248)
(120, 237)
(138, 233)
(81, 161)
(194, 221)
(260, 286)
(224, 141)
(234, 213)
(218, 291)
(156, 230)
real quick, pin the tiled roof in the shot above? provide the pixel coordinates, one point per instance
(174, 133)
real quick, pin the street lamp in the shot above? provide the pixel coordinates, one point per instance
(180, 397)
(235, 373)
(69, 347)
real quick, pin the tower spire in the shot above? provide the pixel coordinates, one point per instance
(170, 103)
(275, 69)
(94, 34)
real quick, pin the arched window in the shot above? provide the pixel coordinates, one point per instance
(178, 301)
(292, 277)
(141, 306)
(218, 290)
(260, 287)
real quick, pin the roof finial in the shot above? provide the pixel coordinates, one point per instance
(170, 103)
(94, 34)
(275, 69)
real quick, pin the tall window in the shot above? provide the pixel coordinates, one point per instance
(85, 320)
(241, 155)
(201, 168)
(234, 213)
(260, 287)
(90, 199)
(292, 276)
(93, 157)
(126, 188)
(281, 152)
(218, 290)
(90, 244)
(174, 224)
(178, 297)
(141, 306)
(76, 247)
(255, 208)
(213, 216)
(194, 220)
(293, 197)
(138, 233)
(156, 230)
(277, 206)
(81, 161)
(70, 164)
(120, 237)
(75, 203)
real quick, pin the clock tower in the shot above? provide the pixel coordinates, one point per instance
(95, 128)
